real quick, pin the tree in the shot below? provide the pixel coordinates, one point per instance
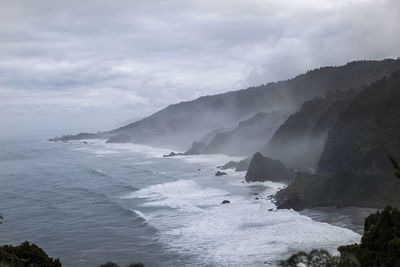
(316, 258)
(26, 254)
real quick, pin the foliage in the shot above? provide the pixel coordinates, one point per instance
(315, 258)
(26, 254)
(366, 131)
(380, 243)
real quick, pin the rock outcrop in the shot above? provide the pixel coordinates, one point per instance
(263, 169)
(341, 189)
(239, 166)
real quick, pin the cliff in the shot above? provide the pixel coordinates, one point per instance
(248, 136)
(299, 141)
(340, 189)
(367, 131)
(354, 169)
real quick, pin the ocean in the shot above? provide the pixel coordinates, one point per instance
(90, 203)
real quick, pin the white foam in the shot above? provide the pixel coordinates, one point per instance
(105, 152)
(212, 159)
(100, 147)
(185, 195)
(147, 151)
(139, 214)
(243, 232)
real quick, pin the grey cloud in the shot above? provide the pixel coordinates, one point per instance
(125, 59)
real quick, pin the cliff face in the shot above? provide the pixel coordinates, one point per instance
(179, 124)
(354, 169)
(263, 169)
(340, 189)
(248, 136)
(299, 141)
(367, 131)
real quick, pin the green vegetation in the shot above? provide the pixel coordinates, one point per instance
(26, 254)
(366, 131)
(314, 258)
(380, 243)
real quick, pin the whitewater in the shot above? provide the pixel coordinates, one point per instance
(90, 203)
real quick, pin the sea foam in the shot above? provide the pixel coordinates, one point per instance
(246, 231)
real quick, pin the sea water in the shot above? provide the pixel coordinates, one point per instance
(90, 203)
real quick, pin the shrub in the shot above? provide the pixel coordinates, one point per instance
(26, 254)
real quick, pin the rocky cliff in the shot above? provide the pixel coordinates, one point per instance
(299, 141)
(367, 131)
(354, 169)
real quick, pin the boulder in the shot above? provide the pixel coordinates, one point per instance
(263, 169)
(225, 202)
(219, 173)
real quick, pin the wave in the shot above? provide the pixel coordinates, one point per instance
(247, 230)
(212, 159)
(186, 195)
(140, 216)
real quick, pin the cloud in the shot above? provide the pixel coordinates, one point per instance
(110, 61)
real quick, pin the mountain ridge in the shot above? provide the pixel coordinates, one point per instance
(178, 125)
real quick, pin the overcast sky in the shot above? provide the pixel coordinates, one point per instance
(88, 65)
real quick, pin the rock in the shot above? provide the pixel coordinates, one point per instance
(229, 165)
(342, 189)
(219, 173)
(263, 169)
(243, 165)
(81, 136)
(172, 154)
(239, 166)
(225, 202)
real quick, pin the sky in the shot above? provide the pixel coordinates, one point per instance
(71, 66)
